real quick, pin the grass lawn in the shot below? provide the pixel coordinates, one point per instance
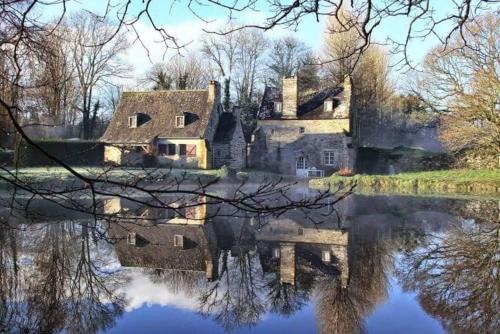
(440, 182)
(48, 174)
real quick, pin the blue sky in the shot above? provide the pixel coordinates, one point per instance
(177, 19)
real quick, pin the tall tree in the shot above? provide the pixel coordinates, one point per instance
(221, 51)
(464, 85)
(250, 48)
(180, 72)
(53, 76)
(96, 51)
(369, 69)
(286, 57)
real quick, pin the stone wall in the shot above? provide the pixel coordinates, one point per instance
(278, 143)
(123, 156)
(201, 160)
(134, 156)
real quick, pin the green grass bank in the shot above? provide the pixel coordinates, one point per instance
(484, 182)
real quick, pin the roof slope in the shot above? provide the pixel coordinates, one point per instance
(161, 107)
(225, 128)
(155, 247)
(310, 106)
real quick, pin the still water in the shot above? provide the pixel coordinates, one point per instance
(382, 265)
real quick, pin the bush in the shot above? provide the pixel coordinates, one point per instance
(149, 161)
(345, 172)
(74, 153)
(6, 157)
(223, 172)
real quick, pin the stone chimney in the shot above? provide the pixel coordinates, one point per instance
(213, 91)
(344, 109)
(290, 97)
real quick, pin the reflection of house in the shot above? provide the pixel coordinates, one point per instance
(305, 135)
(323, 248)
(192, 211)
(177, 127)
(167, 246)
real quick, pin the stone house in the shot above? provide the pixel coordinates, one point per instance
(179, 128)
(303, 134)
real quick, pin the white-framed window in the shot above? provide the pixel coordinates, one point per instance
(132, 121)
(278, 107)
(328, 106)
(301, 163)
(179, 121)
(329, 158)
(326, 256)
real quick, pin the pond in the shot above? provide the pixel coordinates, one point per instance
(379, 264)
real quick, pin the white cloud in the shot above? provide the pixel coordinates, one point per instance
(141, 291)
(150, 48)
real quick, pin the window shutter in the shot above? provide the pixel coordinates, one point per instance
(191, 150)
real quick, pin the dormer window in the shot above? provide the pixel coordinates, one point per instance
(131, 238)
(326, 256)
(137, 120)
(278, 108)
(179, 240)
(329, 105)
(179, 121)
(132, 122)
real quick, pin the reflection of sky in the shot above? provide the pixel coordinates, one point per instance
(153, 310)
(401, 313)
(156, 319)
(141, 292)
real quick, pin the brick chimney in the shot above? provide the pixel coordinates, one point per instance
(213, 91)
(290, 97)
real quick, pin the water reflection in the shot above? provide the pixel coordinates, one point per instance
(236, 270)
(50, 281)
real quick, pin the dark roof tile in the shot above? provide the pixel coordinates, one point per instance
(161, 107)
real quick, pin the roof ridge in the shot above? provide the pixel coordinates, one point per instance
(163, 91)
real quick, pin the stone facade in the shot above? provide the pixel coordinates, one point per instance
(297, 145)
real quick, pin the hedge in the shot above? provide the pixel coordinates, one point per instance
(74, 153)
(6, 157)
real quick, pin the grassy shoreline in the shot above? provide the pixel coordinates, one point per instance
(459, 181)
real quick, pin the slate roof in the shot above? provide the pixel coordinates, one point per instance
(155, 247)
(161, 107)
(225, 128)
(310, 106)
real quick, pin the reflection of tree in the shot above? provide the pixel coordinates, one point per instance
(286, 299)
(64, 289)
(457, 276)
(189, 282)
(342, 310)
(9, 282)
(234, 300)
